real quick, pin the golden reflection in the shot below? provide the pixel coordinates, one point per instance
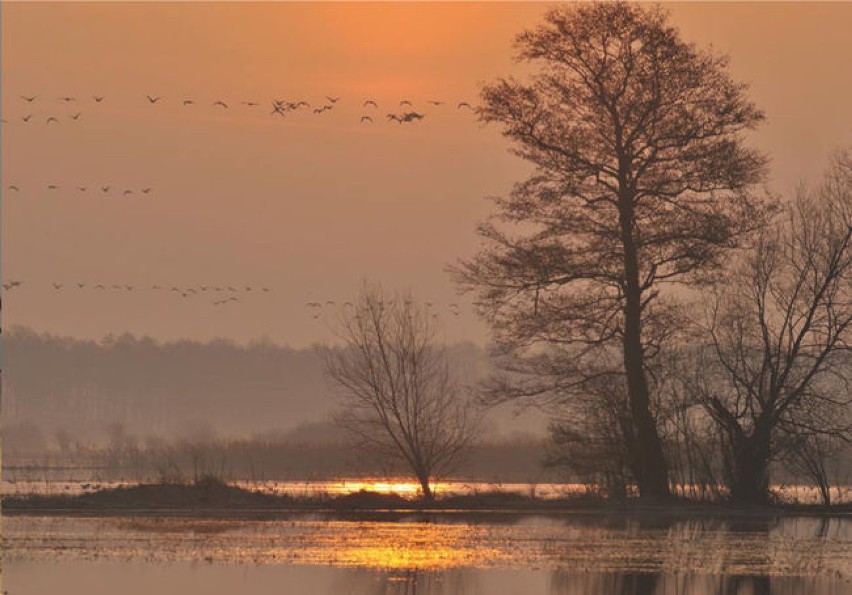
(408, 546)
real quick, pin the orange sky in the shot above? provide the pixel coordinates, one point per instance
(309, 205)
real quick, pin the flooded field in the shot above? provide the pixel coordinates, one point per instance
(415, 553)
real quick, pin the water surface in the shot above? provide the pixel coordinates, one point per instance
(449, 554)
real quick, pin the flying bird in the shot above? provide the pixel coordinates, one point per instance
(146, 190)
(27, 118)
(57, 285)
(266, 289)
(81, 285)
(13, 187)
(464, 104)
(51, 119)
(436, 102)
(153, 100)
(333, 99)
(29, 99)
(366, 119)
(128, 192)
(52, 187)
(278, 108)
(76, 116)
(105, 189)
(99, 286)
(250, 103)
(221, 103)
(82, 188)
(67, 99)
(98, 98)
(370, 102)
(405, 102)
(188, 102)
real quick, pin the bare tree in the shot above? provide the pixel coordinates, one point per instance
(400, 400)
(778, 369)
(641, 179)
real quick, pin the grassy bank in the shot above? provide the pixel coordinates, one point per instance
(211, 496)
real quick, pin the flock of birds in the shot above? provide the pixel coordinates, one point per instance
(105, 189)
(223, 294)
(317, 309)
(404, 113)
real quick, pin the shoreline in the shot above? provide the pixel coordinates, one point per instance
(216, 499)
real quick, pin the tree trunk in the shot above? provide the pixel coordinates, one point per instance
(652, 475)
(428, 496)
(750, 481)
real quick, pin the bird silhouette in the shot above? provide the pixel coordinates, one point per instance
(265, 289)
(99, 286)
(29, 99)
(436, 102)
(464, 104)
(404, 102)
(98, 98)
(301, 103)
(81, 188)
(76, 116)
(67, 99)
(250, 103)
(81, 285)
(128, 192)
(13, 187)
(51, 119)
(52, 187)
(153, 100)
(105, 189)
(221, 103)
(366, 119)
(146, 190)
(370, 102)
(278, 107)
(27, 118)
(57, 285)
(394, 117)
(333, 99)
(188, 102)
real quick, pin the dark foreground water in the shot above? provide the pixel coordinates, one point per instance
(444, 554)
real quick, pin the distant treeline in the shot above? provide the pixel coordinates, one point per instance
(311, 452)
(59, 392)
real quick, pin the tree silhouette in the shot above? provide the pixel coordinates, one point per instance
(641, 180)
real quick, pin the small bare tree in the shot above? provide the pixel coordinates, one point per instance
(400, 400)
(777, 370)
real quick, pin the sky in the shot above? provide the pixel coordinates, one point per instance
(307, 205)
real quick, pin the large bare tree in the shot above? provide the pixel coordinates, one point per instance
(641, 179)
(400, 399)
(776, 374)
